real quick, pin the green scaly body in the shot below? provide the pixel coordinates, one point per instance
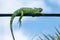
(21, 12)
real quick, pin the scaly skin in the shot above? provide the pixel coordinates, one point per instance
(23, 11)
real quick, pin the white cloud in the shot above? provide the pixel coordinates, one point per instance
(8, 6)
(5, 31)
(20, 36)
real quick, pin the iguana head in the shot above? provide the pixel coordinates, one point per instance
(38, 9)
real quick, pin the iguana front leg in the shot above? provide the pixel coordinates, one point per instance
(20, 18)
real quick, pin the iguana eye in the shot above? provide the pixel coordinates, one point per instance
(40, 9)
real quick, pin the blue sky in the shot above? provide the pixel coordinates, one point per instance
(30, 25)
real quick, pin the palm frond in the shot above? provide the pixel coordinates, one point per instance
(46, 36)
(51, 37)
(57, 31)
(40, 38)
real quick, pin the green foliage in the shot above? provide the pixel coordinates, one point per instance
(46, 36)
(58, 34)
(40, 38)
(52, 37)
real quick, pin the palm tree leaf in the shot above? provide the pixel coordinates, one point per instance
(40, 38)
(57, 31)
(46, 36)
(51, 37)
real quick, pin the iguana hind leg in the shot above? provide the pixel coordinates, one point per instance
(20, 18)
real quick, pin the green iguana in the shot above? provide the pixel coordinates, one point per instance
(21, 12)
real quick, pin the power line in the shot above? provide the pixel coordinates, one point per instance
(5, 15)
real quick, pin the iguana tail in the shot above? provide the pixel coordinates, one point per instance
(20, 18)
(11, 21)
